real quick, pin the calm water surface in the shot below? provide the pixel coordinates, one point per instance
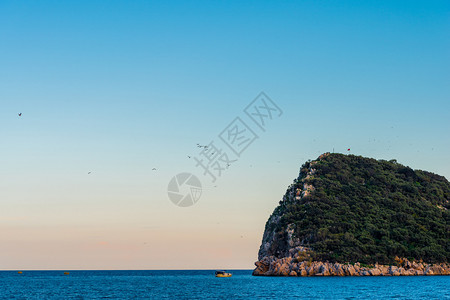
(201, 284)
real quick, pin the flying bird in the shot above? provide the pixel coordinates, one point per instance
(154, 169)
(20, 114)
(89, 172)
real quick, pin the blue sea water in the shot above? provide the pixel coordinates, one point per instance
(201, 284)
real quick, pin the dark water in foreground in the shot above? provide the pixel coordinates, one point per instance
(201, 284)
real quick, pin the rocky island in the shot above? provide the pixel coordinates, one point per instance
(348, 215)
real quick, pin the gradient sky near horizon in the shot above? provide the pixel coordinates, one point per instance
(117, 88)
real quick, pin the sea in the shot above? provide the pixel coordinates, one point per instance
(202, 284)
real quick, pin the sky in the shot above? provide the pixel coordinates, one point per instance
(120, 88)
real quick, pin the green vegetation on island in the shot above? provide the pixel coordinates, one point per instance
(348, 208)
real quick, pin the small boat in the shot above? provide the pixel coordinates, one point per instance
(20, 272)
(223, 274)
(66, 273)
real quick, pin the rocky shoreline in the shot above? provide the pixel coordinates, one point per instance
(288, 266)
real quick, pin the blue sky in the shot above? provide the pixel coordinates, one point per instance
(117, 88)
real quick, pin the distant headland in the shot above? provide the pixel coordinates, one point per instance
(348, 215)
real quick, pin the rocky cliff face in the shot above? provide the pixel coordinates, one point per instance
(285, 252)
(283, 243)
